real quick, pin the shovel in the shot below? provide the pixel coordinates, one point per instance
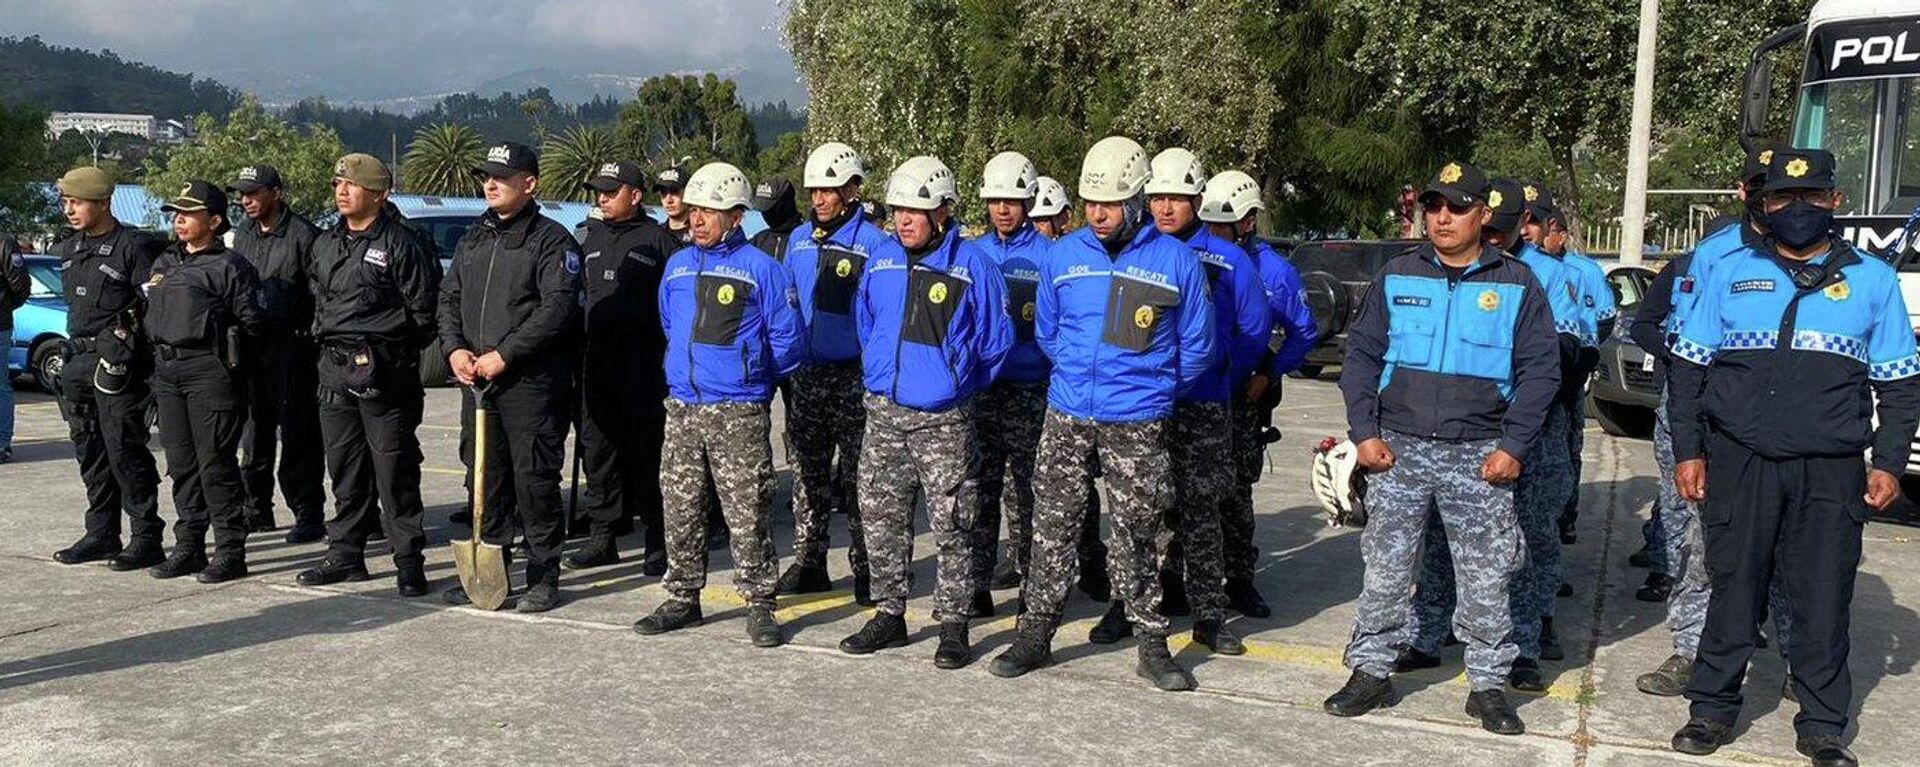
(482, 565)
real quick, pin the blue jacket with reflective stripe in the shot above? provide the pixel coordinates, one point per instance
(1019, 259)
(1287, 300)
(1707, 253)
(732, 323)
(934, 330)
(826, 276)
(1597, 309)
(1562, 285)
(1126, 333)
(1473, 360)
(1791, 372)
(1242, 323)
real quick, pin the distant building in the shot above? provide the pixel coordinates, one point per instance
(146, 127)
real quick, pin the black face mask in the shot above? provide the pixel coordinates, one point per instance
(1800, 225)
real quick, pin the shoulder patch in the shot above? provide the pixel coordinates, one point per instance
(572, 262)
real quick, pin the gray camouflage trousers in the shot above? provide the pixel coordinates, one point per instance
(826, 420)
(1485, 540)
(1135, 466)
(1539, 497)
(1202, 482)
(907, 451)
(1009, 415)
(730, 442)
(1238, 553)
(1686, 555)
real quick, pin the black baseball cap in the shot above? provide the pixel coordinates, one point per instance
(1460, 183)
(611, 176)
(255, 177)
(197, 196)
(507, 158)
(1799, 169)
(769, 192)
(672, 179)
(1508, 200)
(1539, 201)
(1754, 170)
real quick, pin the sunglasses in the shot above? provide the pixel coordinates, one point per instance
(1823, 198)
(1437, 204)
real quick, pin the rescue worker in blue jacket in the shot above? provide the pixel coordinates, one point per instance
(1597, 313)
(734, 329)
(1451, 370)
(1230, 205)
(1008, 413)
(1544, 483)
(1782, 352)
(826, 421)
(1123, 313)
(1191, 569)
(933, 332)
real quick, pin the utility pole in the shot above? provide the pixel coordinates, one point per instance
(1633, 220)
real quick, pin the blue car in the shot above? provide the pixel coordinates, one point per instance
(40, 326)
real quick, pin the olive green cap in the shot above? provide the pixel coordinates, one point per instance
(86, 183)
(365, 171)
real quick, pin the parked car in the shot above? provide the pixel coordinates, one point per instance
(40, 326)
(1625, 390)
(1336, 274)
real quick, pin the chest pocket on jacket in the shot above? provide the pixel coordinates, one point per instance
(932, 300)
(720, 304)
(1135, 309)
(180, 310)
(838, 279)
(1022, 304)
(1485, 315)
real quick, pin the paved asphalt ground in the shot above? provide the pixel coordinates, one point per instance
(99, 667)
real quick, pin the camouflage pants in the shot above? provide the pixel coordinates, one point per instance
(730, 443)
(1248, 450)
(826, 420)
(1202, 482)
(1686, 552)
(1485, 541)
(1538, 498)
(1134, 464)
(1009, 415)
(931, 453)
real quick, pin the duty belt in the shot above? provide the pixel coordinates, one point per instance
(169, 352)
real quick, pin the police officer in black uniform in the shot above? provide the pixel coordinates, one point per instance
(281, 384)
(669, 185)
(774, 199)
(506, 303)
(200, 305)
(375, 283)
(1774, 370)
(625, 383)
(103, 264)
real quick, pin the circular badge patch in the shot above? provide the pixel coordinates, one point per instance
(937, 293)
(724, 295)
(1489, 301)
(1143, 317)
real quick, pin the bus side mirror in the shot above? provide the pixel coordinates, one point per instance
(1758, 87)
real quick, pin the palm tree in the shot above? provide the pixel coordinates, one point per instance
(440, 161)
(569, 159)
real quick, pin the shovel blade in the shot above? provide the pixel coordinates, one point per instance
(483, 572)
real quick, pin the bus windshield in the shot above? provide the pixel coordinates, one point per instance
(1840, 117)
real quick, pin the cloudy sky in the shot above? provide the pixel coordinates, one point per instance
(386, 49)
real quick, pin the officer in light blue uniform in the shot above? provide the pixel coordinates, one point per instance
(934, 331)
(1546, 228)
(1451, 370)
(1788, 356)
(1544, 484)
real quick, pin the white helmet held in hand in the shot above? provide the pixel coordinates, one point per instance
(1229, 197)
(1049, 199)
(1177, 171)
(833, 165)
(1115, 170)
(921, 183)
(1339, 484)
(1008, 176)
(718, 186)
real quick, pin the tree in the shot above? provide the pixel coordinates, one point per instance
(24, 204)
(676, 116)
(251, 135)
(569, 159)
(440, 161)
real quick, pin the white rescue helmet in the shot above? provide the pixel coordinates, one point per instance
(1339, 484)
(1049, 199)
(1008, 176)
(1115, 170)
(921, 183)
(718, 186)
(1229, 197)
(1177, 171)
(833, 165)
